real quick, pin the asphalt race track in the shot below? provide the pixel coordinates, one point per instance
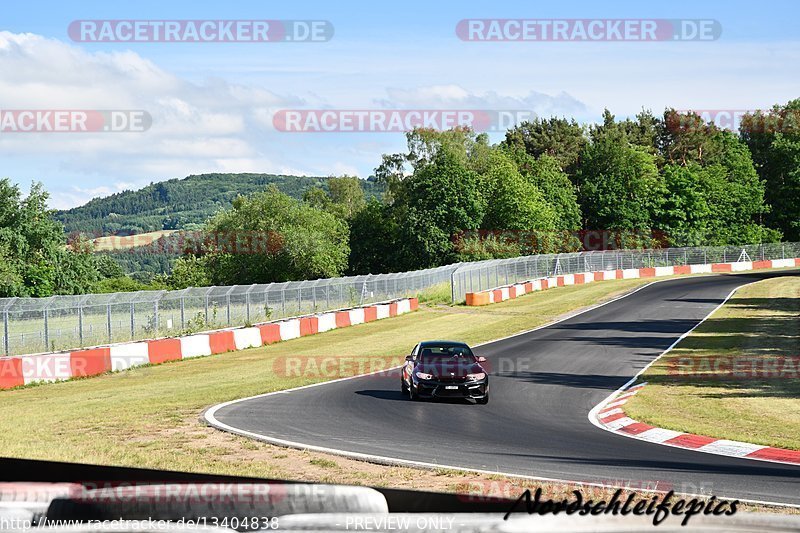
(543, 384)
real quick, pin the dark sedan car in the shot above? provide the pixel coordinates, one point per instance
(444, 369)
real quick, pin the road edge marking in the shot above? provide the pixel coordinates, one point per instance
(208, 415)
(594, 412)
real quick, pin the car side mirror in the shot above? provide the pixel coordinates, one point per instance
(481, 359)
(409, 358)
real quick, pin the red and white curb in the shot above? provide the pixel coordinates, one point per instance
(507, 292)
(27, 369)
(610, 416)
(613, 418)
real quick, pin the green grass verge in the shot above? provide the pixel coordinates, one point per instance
(697, 388)
(148, 417)
(437, 294)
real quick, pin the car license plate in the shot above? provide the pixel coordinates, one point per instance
(451, 387)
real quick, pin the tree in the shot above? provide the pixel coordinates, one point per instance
(189, 271)
(773, 138)
(685, 214)
(107, 267)
(559, 138)
(347, 196)
(35, 260)
(686, 138)
(619, 185)
(269, 236)
(444, 199)
(374, 239)
(486, 246)
(513, 203)
(546, 175)
(317, 198)
(424, 144)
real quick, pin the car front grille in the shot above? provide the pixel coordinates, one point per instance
(451, 379)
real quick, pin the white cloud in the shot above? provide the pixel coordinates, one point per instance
(205, 124)
(454, 96)
(77, 195)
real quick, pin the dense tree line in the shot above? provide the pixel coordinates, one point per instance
(670, 180)
(451, 196)
(179, 203)
(35, 259)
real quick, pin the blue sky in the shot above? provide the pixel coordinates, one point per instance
(212, 103)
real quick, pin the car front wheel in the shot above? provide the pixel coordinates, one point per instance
(411, 394)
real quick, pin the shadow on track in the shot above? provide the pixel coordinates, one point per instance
(396, 395)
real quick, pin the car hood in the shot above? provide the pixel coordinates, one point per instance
(450, 369)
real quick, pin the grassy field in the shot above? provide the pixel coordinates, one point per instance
(150, 417)
(117, 242)
(735, 376)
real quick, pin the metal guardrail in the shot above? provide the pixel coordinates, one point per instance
(474, 277)
(32, 325)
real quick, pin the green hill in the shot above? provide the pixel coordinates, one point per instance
(179, 203)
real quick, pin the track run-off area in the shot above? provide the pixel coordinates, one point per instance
(543, 385)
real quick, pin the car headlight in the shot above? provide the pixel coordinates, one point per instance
(476, 377)
(423, 375)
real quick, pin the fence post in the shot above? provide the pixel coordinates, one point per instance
(80, 326)
(247, 303)
(155, 317)
(453, 286)
(5, 332)
(46, 329)
(183, 312)
(108, 321)
(133, 333)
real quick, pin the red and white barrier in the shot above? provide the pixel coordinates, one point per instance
(27, 369)
(506, 292)
(194, 346)
(247, 338)
(125, 356)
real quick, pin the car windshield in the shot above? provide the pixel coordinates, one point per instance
(459, 352)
